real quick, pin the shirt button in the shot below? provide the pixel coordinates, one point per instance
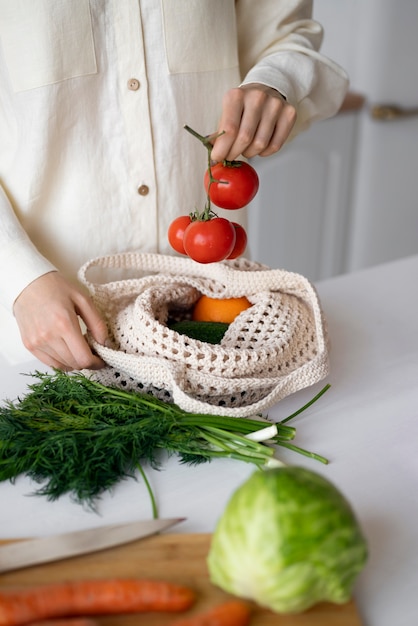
(143, 190)
(133, 84)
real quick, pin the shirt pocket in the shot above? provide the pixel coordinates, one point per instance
(46, 41)
(200, 35)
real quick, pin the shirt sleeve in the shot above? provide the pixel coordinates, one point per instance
(279, 46)
(20, 262)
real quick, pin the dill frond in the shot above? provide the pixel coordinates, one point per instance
(74, 435)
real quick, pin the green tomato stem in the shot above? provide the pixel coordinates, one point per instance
(201, 138)
(207, 213)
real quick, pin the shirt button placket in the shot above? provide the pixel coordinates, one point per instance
(140, 175)
(134, 85)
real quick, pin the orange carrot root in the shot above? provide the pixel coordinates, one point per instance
(91, 597)
(66, 621)
(232, 613)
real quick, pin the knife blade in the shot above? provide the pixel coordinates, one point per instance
(28, 552)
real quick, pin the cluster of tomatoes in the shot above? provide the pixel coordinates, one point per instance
(205, 237)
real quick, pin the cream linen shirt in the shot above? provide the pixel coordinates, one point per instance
(93, 99)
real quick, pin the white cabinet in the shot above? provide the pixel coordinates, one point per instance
(299, 218)
(344, 194)
(384, 219)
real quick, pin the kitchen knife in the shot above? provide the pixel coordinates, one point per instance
(29, 552)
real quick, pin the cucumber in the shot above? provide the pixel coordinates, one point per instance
(210, 332)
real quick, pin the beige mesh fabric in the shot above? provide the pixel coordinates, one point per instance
(272, 349)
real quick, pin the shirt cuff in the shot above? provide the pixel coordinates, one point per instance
(20, 264)
(314, 85)
(270, 77)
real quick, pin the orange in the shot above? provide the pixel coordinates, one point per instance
(223, 310)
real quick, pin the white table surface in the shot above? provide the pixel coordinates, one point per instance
(366, 424)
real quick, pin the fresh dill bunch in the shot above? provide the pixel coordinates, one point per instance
(74, 435)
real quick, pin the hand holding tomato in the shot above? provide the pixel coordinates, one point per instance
(257, 121)
(205, 237)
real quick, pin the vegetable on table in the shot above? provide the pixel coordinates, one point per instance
(75, 435)
(92, 597)
(287, 540)
(230, 613)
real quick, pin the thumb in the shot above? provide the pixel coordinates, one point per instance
(93, 320)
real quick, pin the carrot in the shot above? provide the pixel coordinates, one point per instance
(232, 613)
(67, 621)
(91, 597)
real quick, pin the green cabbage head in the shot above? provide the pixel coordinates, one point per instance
(287, 539)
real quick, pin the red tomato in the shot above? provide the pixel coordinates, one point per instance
(240, 241)
(237, 186)
(209, 241)
(176, 232)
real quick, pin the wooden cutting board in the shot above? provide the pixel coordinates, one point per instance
(174, 557)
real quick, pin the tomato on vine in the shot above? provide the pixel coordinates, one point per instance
(231, 184)
(176, 232)
(203, 236)
(240, 241)
(209, 241)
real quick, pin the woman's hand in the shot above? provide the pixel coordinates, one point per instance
(47, 313)
(256, 121)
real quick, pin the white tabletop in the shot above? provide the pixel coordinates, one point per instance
(366, 424)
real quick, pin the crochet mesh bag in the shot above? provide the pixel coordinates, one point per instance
(274, 348)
